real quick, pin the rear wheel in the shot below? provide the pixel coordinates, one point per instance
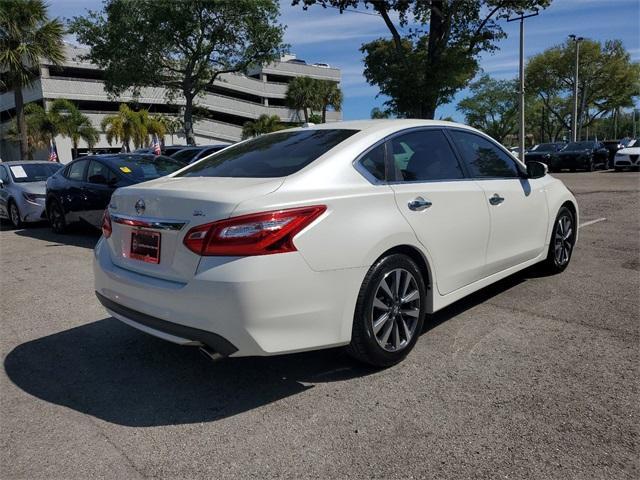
(563, 239)
(56, 217)
(590, 165)
(389, 312)
(14, 215)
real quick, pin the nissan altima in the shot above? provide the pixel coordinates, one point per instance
(341, 234)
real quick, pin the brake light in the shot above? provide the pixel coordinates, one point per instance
(255, 234)
(106, 224)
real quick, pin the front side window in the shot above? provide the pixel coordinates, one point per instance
(76, 171)
(483, 158)
(4, 176)
(269, 156)
(424, 155)
(99, 173)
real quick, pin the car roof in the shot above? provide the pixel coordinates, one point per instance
(371, 126)
(22, 162)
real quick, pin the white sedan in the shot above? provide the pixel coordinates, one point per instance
(627, 158)
(337, 234)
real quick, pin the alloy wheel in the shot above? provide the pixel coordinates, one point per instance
(396, 309)
(15, 215)
(563, 240)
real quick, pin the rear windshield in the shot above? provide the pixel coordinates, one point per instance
(144, 167)
(275, 155)
(186, 154)
(579, 145)
(33, 172)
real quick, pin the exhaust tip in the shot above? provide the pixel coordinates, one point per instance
(210, 354)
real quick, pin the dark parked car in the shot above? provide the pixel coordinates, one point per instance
(193, 154)
(586, 155)
(82, 190)
(614, 145)
(543, 152)
(167, 150)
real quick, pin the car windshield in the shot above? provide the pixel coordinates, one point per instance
(185, 155)
(141, 168)
(33, 172)
(275, 155)
(545, 147)
(578, 146)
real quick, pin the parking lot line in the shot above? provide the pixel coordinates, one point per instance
(591, 222)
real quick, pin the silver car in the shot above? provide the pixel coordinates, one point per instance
(22, 190)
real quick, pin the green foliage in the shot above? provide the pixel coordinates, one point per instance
(129, 126)
(607, 80)
(27, 35)
(309, 94)
(182, 46)
(427, 66)
(264, 124)
(377, 113)
(492, 107)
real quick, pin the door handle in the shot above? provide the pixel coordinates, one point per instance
(496, 199)
(418, 204)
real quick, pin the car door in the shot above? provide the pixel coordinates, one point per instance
(4, 191)
(446, 210)
(72, 192)
(100, 184)
(517, 204)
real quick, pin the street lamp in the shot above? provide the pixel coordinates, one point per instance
(521, 18)
(574, 119)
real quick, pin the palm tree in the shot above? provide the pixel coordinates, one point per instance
(74, 124)
(330, 96)
(264, 124)
(171, 124)
(122, 127)
(303, 94)
(26, 37)
(37, 129)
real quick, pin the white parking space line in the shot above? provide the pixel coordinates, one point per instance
(591, 222)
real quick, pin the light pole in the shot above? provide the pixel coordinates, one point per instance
(574, 118)
(521, 18)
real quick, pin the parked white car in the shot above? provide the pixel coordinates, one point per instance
(627, 158)
(336, 234)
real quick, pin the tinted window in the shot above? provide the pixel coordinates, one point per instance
(99, 173)
(33, 172)
(140, 168)
(579, 145)
(75, 171)
(373, 162)
(483, 158)
(545, 147)
(4, 176)
(186, 155)
(424, 155)
(275, 155)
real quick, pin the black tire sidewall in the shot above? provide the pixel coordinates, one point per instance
(12, 205)
(55, 205)
(551, 257)
(375, 353)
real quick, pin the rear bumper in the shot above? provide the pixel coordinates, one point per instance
(261, 305)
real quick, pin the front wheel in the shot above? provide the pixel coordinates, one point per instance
(389, 312)
(563, 239)
(56, 217)
(14, 215)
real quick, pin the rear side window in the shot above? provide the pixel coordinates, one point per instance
(99, 173)
(275, 155)
(373, 162)
(75, 171)
(483, 158)
(424, 155)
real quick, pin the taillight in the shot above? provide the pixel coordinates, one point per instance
(255, 234)
(106, 224)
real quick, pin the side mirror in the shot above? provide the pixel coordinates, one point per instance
(536, 169)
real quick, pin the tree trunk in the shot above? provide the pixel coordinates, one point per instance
(428, 111)
(324, 114)
(306, 115)
(188, 120)
(74, 153)
(22, 123)
(435, 47)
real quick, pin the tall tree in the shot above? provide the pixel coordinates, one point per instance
(181, 46)
(491, 107)
(329, 95)
(424, 68)
(122, 127)
(378, 113)
(27, 36)
(607, 80)
(264, 124)
(74, 124)
(303, 94)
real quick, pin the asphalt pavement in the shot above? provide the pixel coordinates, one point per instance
(534, 377)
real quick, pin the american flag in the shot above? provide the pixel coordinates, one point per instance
(155, 145)
(53, 153)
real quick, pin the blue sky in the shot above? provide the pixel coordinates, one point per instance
(325, 35)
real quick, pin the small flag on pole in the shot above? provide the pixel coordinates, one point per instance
(53, 153)
(155, 145)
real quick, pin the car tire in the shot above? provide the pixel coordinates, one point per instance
(590, 166)
(393, 288)
(563, 238)
(14, 215)
(56, 217)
